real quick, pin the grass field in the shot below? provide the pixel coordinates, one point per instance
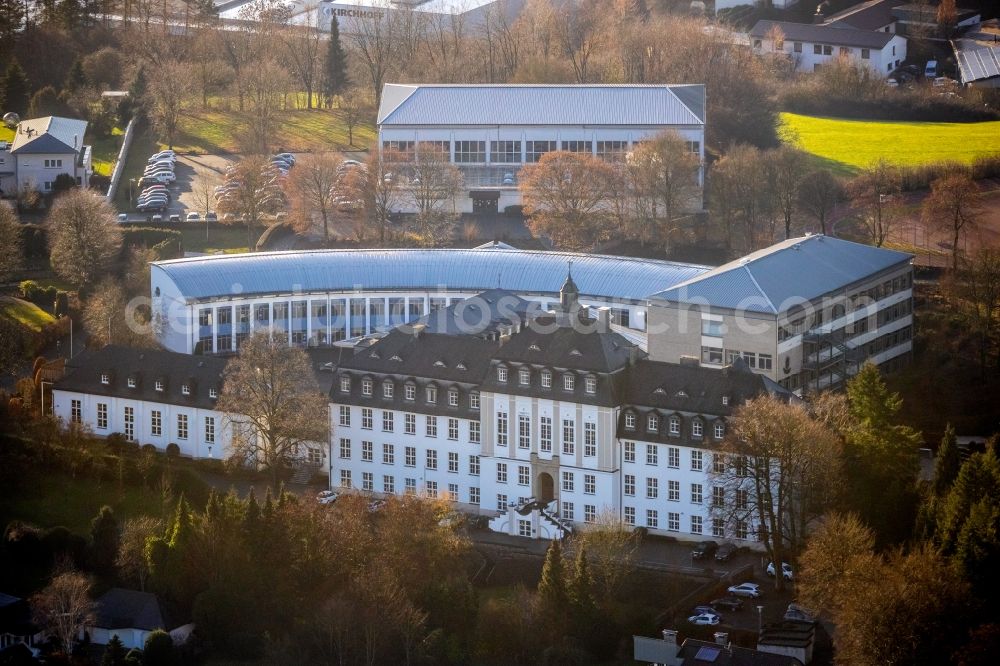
(24, 313)
(298, 131)
(848, 145)
(220, 238)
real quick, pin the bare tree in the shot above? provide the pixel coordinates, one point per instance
(664, 175)
(580, 31)
(108, 317)
(353, 110)
(874, 193)
(314, 188)
(787, 166)
(976, 292)
(132, 562)
(379, 188)
(63, 608)
(433, 185)
(274, 402)
(12, 248)
(303, 50)
(266, 87)
(84, 237)
(169, 88)
(611, 547)
(954, 207)
(377, 46)
(502, 43)
(203, 193)
(817, 194)
(566, 195)
(781, 471)
(258, 194)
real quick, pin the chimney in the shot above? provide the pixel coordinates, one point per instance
(721, 638)
(670, 637)
(689, 360)
(603, 319)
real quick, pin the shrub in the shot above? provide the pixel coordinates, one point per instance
(63, 182)
(173, 450)
(148, 237)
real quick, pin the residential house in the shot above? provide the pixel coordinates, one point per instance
(42, 150)
(667, 652)
(132, 616)
(978, 55)
(16, 627)
(810, 47)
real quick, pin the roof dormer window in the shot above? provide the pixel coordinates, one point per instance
(569, 382)
(387, 390)
(546, 379)
(725, 400)
(629, 421)
(366, 387)
(131, 382)
(432, 394)
(675, 425)
(410, 392)
(653, 423)
(524, 376)
(105, 378)
(345, 384)
(534, 347)
(185, 389)
(453, 398)
(590, 384)
(159, 385)
(502, 375)
(213, 393)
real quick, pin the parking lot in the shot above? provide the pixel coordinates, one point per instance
(193, 172)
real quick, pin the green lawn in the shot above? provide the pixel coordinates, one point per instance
(6, 134)
(220, 238)
(848, 145)
(105, 150)
(298, 131)
(24, 313)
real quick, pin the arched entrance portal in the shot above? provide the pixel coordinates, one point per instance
(546, 487)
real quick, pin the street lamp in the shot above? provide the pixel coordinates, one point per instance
(760, 620)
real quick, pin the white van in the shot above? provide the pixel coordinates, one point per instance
(930, 71)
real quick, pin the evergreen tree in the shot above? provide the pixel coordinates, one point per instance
(16, 89)
(968, 521)
(552, 592)
(114, 653)
(11, 20)
(948, 462)
(76, 79)
(132, 106)
(46, 102)
(105, 542)
(581, 589)
(334, 65)
(181, 529)
(251, 519)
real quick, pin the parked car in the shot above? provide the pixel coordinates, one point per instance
(786, 570)
(211, 217)
(726, 551)
(157, 219)
(705, 619)
(704, 549)
(288, 157)
(751, 590)
(930, 70)
(327, 497)
(153, 201)
(193, 217)
(122, 217)
(165, 153)
(698, 610)
(727, 603)
(174, 219)
(798, 613)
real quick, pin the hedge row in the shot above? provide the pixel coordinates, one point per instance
(45, 297)
(923, 106)
(921, 177)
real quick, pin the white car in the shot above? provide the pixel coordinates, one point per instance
(327, 497)
(704, 618)
(192, 217)
(745, 590)
(786, 570)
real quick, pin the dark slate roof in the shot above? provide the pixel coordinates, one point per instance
(481, 315)
(545, 343)
(870, 15)
(700, 653)
(411, 351)
(119, 608)
(200, 373)
(823, 34)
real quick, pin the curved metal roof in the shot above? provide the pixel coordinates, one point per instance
(521, 271)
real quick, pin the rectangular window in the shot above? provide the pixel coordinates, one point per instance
(612, 151)
(696, 493)
(452, 462)
(470, 152)
(630, 452)
(410, 486)
(569, 437)
(567, 482)
(590, 439)
(652, 519)
(696, 525)
(158, 385)
(630, 515)
(720, 430)
(569, 382)
(741, 529)
(712, 328)
(718, 496)
(473, 401)
(827, 49)
(523, 432)
(817, 49)
(410, 392)
(345, 448)
(742, 498)
(388, 423)
(546, 379)
(652, 488)
(535, 149)
(718, 527)
(523, 475)
(345, 478)
(410, 424)
(345, 416)
(697, 428)
(545, 434)
(388, 484)
(366, 418)
(674, 491)
(567, 510)
(182, 426)
(131, 382)
(630, 421)
(156, 423)
(524, 377)
(696, 460)
(367, 481)
(630, 485)
(653, 423)
(797, 47)
(718, 464)
(210, 430)
(673, 457)
(431, 426)
(763, 361)
(388, 389)
(453, 429)
(410, 456)
(501, 502)
(345, 384)
(367, 451)
(388, 454)
(432, 459)
(432, 394)
(505, 152)
(866, 54)
(502, 375)
(652, 457)
(501, 428)
(589, 484)
(473, 495)
(674, 522)
(431, 489)
(711, 355)
(589, 513)
(452, 492)
(453, 398)
(590, 385)
(523, 527)
(474, 465)
(578, 146)
(474, 433)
